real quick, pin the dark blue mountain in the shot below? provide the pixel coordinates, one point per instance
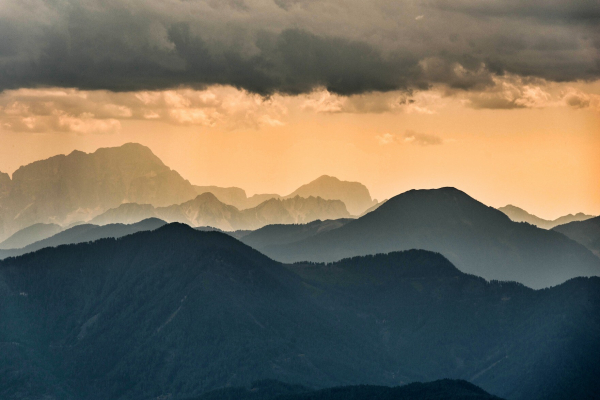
(176, 313)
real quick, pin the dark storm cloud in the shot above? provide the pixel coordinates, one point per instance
(294, 46)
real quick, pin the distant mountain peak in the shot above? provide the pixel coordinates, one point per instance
(442, 194)
(518, 214)
(79, 186)
(206, 197)
(328, 178)
(478, 239)
(355, 195)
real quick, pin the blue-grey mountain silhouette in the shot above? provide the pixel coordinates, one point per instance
(478, 239)
(180, 312)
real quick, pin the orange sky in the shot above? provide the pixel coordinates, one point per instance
(544, 159)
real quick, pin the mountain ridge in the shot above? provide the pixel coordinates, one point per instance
(585, 232)
(519, 215)
(478, 239)
(85, 233)
(66, 188)
(206, 210)
(180, 311)
(355, 195)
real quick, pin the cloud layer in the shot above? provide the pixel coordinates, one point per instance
(100, 111)
(294, 46)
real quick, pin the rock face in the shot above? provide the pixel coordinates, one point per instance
(73, 187)
(478, 239)
(207, 210)
(5, 184)
(355, 195)
(519, 215)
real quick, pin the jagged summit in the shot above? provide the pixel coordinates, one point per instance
(76, 187)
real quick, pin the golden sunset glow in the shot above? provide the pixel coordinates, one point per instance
(543, 156)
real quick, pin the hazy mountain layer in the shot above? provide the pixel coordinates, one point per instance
(235, 196)
(478, 239)
(207, 210)
(355, 195)
(279, 234)
(519, 215)
(77, 187)
(86, 233)
(67, 188)
(373, 208)
(585, 232)
(29, 235)
(177, 312)
(274, 390)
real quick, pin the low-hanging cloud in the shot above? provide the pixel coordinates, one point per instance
(294, 46)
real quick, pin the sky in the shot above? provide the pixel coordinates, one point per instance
(500, 99)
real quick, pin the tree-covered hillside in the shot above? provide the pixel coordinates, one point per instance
(178, 312)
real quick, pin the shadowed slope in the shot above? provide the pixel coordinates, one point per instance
(585, 232)
(519, 215)
(478, 239)
(280, 234)
(179, 312)
(355, 195)
(207, 210)
(154, 312)
(29, 235)
(86, 233)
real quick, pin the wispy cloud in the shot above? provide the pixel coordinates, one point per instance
(410, 137)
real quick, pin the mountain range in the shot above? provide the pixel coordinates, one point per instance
(519, 215)
(478, 239)
(207, 210)
(85, 233)
(75, 188)
(585, 232)
(29, 235)
(68, 188)
(175, 313)
(355, 195)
